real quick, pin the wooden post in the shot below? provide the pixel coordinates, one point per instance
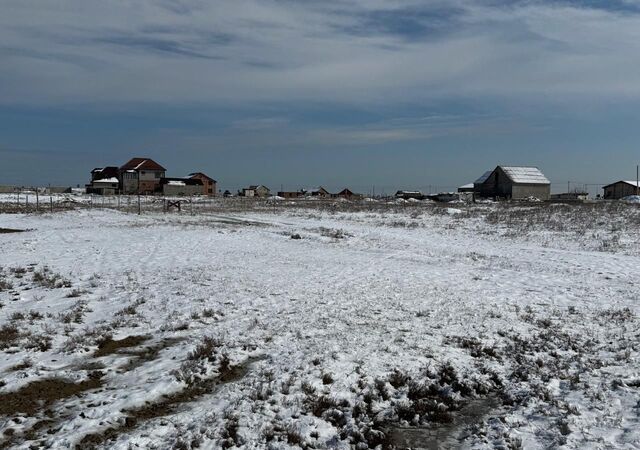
(50, 201)
(139, 206)
(37, 201)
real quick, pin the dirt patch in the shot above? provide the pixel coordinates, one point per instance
(168, 405)
(147, 353)
(109, 346)
(40, 394)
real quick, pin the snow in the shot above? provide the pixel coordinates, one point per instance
(176, 183)
(632, 199)
(550, 292)
(525, 175)
(107, 180)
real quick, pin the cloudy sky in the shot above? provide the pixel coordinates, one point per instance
(298, 93)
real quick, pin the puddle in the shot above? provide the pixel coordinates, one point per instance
(443, 436)
(110, 346)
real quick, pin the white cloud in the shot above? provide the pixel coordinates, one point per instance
(245, 51)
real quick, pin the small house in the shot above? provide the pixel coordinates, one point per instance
(141, 176)
(514, 182)
(181, 187)
(209, 185)
(621, 189)
(256, 191)
(104, 186)
(319, 192)
(406, 195)
(291, 194)
(346, 194)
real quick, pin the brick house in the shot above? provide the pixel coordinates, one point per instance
(141, 176)
(209, 185)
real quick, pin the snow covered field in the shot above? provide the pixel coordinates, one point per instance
(481, 326)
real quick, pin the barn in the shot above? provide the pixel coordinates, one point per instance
(620, 189)
(514, 182)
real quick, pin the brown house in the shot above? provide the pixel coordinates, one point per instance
(346, 194)
(141, 176)
(208, 184)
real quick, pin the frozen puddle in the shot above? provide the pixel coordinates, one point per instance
(439, 436)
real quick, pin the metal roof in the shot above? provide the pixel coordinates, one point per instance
(484, 177)
(525, 175)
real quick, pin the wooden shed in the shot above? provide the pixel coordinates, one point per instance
(514, 182)
(620, 189)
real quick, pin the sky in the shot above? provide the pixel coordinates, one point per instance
(366, 94)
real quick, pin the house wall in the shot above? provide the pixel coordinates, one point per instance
(619, 190)
(175, 190)
(209, 187)
(129, 182)
(262, 192)
(540, 191)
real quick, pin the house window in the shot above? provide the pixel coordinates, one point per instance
(158, 174)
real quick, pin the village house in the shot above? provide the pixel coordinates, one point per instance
(620, 189)
(104, 181)
(346, 194)
(406, 195)
(209, 185)
(255, 191)
(141, 176)
(319, 192)
(514, 182)
(291, 194)
(181, 186)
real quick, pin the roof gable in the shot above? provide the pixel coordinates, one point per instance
(525, 175)
(484, 177)
(142, 164)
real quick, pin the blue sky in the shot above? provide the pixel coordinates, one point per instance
(413, 94)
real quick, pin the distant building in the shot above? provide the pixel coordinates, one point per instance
(104, 181)
(346, 194)
(104, 186)
(100, 173)
(319, 192)
(406, 195)
(141, 176)
(571, 196)
(514, 182)
(256, 191)
(209, 185)
(620, 189)
(181, 186)
(291, 194)
(467, 188)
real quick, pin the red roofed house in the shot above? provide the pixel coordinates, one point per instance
(208, 183)
(141, 176)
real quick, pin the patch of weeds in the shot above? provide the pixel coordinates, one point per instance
(35, 315)
(5, 285)
(229, 433)
(16, 316)
(208, 313)
(9, 335)
(76, 293)
(47, 279)
(327, 378)
(39, 342)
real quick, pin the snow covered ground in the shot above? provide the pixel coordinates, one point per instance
(483, 326)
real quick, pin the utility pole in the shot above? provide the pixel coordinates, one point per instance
(637, 178)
